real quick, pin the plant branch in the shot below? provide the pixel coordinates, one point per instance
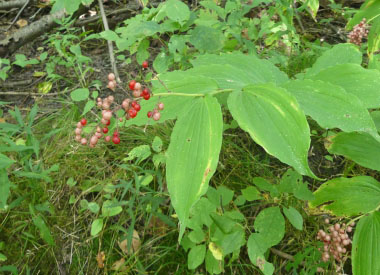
(110, 43)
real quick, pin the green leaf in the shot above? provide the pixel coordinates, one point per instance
(374, 38)
(201, 211)
(359, 147)
(3, 258)
(220, 196)
(232, 241)
(198, 134)
(294, 217)
(44, 230)
(366, 245)
(213, 266)
(93, 207)
(177, 11)
(356, 80)
(236, 70)
(96, 227)
(71, 6)
(368, 10)
(89, 105)
(207, 39)
(5, 162)
(80, 94)
(271, 225)
(9, 268)
(331, 106)
(108, 210)
(275, 121)
(375, 115)
(161, 63)
(225, 224)
(141, 152)
(251, 193)
(348, 196)
(339, 54)
(5, 188)
(197, 236)
(157, 144)
(256, 246)
(109, 35)
(196, 256)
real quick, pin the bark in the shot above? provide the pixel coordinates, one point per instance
(7, 5)
(19, 38)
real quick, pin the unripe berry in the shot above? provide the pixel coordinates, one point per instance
(132, 113)
(79, 125)
(78, 131)
(116, 140)
(106, 105)
(104, 121)
(346, 242)
(145, 64)
(111, 85)
(120, 119)
(100, 104)
(328, 238)
(337, 226)
(137, 86)
(349, 229)
(99, 99)
(111, 77)
(136, 93)
(160, 106)
(125, 104)
(83, 141)
(98, 129)
(78, 138)
(157, 116)
(132, 84)
(327, 221)
(107, 138)
(110, 99)
(94, 140)
(107, 115)
(83, 121)
(98, 135)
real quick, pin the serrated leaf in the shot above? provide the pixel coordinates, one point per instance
(339, 54)
(366, 245)
(275, 121)
(96, 227)
(271, 225)
(80, 94)
(356, 80)
(196, 256)
(348, 196)
(331, 106)
(359, 147)
(294, 217)
(198, 134)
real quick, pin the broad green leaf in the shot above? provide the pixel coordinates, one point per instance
(251, 193)
(375, 115)
(44, 230)
(294, 217)
(196, 256)
(108, 210)
(213, 266)
(374, 38)
(248, 68)
(264, 185)
(368, 10)
(197, 236)
(157, 144)
(225, 224)
(5, 188)
(356, 80)
(331, 106)
(207, 39)
(348, 196)
(271, 225)
(96, 227)
(256, 246)
(80, 94)
(193, 154)
(177, 11)
(141, 152)
(366, 246)
(89, 105)
(275, 121)
(109, 35)
(71, 6)
(313, 5)
(161, 63)
(359, 147)
(5, 162)
(220, 196)
(9, 268)
(3, 258)
(93, 207)
(232, 241)
(201, 211)
(339, 54)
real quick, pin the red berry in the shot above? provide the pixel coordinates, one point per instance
(137, 107)
(145, 64)
(108, 122)
(132, 113)
(116, 134)
(145, 92)
(146, 97)
(105, 130)
(150, 114)
(83, 121)
(133, 104)
(116, 140)
(132, 84)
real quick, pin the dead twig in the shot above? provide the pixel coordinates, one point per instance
(18, 15)
(7, 5)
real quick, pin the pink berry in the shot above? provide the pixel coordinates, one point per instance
(98, 129)
(107, 138)
(104, 121)
(78, 138)
(106, 105)
(94, 140)
(107, 115)
(111, 77)
(136, 93)
(116, 140)
(99, 135)
(121, 119)
(78, 131)
(160, 106)
(327, 221)
(99, 99)
(337, 226)
(110, 99)
(111, 85)
(83, 121)
(157, 116)
(83, 141)
(125, 104)
(132, 84)
(327, 238)
(100, 104)
(137, 87)
(145, 64)
(349, 229)
(79, 125)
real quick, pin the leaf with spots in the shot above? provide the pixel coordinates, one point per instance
(193, 154)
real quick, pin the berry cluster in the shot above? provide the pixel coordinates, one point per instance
(108, 106)
(359, 32)
(336, 241)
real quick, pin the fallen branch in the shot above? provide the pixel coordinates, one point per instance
(7, 5)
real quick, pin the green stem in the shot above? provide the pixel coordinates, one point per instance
(194, 95)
